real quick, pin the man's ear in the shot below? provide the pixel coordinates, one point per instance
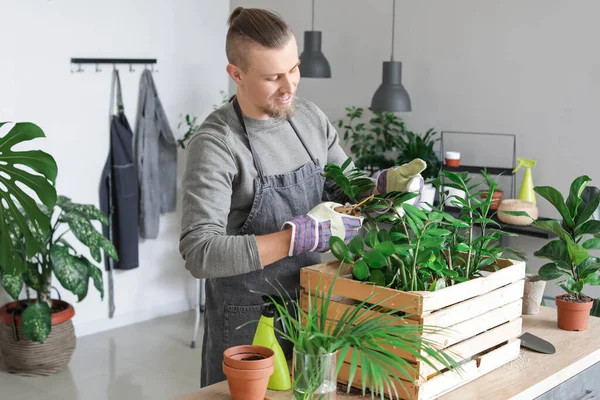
(235, 73)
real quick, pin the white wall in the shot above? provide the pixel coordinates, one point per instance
(39, 38)
(525, 67)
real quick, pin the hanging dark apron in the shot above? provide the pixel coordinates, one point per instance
(229, 302)
(119, 192)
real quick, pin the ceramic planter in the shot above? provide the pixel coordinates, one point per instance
(573, 316)
(496, 197)
(24, 357)
(452, 158)
(427, 196)
(533, 293)
(248, 369)
(314, 376)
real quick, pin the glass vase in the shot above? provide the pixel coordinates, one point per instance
(314, 376)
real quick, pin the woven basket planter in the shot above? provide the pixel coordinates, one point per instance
(24, 357)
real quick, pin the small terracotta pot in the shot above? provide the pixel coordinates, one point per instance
(57, 318)
(573, 316)
(452, 158)
(496, 197)
(248, 369)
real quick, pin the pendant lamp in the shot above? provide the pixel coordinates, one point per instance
(391, 96)
(313, 63)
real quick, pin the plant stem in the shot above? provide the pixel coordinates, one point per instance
(416, 253)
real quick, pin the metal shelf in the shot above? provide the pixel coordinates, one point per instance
(518, 229)
(477, 169)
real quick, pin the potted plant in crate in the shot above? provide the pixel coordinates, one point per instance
(432, 263)
(569, 256)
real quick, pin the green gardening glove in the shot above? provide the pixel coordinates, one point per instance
(405, 178)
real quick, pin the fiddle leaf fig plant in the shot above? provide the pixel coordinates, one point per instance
(577, 233)
(17, 206)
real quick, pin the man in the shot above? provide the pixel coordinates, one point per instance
(253, 186)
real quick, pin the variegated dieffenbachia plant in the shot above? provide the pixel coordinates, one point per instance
(32, 242)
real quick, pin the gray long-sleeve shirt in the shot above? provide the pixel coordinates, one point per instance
(218, 183)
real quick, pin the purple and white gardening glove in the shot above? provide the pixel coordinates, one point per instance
(311, 232)
(405, 178)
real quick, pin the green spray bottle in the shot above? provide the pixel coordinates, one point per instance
(265, 336)
(526, 192)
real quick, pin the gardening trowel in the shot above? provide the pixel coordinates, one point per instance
(537, 344)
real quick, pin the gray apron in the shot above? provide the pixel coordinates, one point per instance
(229, 302)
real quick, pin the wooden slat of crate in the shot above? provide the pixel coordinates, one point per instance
(415, 303)
(321, 276)
(420, 371)
(447, 381)
(471, 308)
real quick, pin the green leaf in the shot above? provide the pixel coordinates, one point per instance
(571, 286)
(33, 278)
(550, 272)
(384, 236)
(71, 271)
(557, 200)
(96, 274)
(455, 222)
(589, 266)
(375, 259)
(85, 232)
(377, 277)
(21, 207)
(339, 249)
(553, 226)
(590, 227)
(87, 211)
(462, 247)
(557, 252)
(438, 232)
(593, 279)
(13, 284)
(385, 248)
(360, 270)
(577, 253)
(357, 246)
(371, 238)
(591, 244)
(590, 202)
(414, 211)
(574, 198)
(37, 321)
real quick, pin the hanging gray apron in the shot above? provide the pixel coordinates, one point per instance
(229, 302)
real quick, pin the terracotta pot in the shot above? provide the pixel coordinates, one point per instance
(452, 158)
(248, 369)
(24, 357)
(533, 293)
(573, 316)
(496, 197)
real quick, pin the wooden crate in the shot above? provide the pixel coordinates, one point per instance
(482, 317)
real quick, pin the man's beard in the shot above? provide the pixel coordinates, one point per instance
(283, 111)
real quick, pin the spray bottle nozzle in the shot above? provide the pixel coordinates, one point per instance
(269, 310)
(524, 162)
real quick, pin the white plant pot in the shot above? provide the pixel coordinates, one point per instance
(427, 196)
(452, 194)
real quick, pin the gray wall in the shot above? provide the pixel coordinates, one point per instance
(531, 68)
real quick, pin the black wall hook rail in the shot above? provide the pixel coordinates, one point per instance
(147, 61)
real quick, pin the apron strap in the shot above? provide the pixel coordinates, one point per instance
(116, 83)
(240, 116)
(310, 154)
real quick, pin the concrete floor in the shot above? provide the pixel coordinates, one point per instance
(149, 360)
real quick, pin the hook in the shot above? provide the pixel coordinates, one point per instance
(131, 68)
(79, 69)
(98, 68)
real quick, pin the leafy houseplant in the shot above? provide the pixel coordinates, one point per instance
(568, 255)
(321, 345)
(412, 145)
(371, 141)
(192, 124)
(410, 249)
(496, 194)
(58, 257)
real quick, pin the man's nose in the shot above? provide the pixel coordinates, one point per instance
(287, 85)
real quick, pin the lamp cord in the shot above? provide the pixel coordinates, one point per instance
(313, 15)
(393, 26)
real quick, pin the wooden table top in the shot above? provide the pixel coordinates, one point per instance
(527, 377)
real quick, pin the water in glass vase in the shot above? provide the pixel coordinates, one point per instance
(314, 376)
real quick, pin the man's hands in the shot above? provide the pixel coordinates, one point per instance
(311, 232)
